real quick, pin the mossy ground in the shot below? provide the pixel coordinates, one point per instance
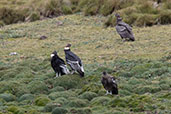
(142, 68)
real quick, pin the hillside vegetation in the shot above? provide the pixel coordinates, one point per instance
(142, 68)
(135, 12)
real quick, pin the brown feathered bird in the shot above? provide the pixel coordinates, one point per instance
(109, 83)
(123, 29)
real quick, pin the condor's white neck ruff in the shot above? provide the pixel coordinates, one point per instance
(52, 55)
(66, 48)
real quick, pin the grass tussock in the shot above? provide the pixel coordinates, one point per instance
(131, 10)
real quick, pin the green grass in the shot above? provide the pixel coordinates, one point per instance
(135, 12)
(142, 68)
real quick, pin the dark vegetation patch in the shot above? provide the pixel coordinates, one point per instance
(135, 12)
(144, 85)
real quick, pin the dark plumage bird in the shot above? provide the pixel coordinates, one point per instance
(123, 29)
(159, 1)
(73, 61)
(58, 65)
(109, 84)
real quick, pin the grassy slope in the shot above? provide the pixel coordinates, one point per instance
(142, 67)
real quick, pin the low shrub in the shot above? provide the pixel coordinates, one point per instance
(165, 17)
(80, 111)
(42, 101)
(9, 15)
(50, 106)
(100, 101)
(69, 81)
(37, 87)
(7, 97)
(26, 97)
(147, 7)
(88, 95)
(111, 21)
(146, 20)
(59, 110)
(108, 7)
(167, 4)
(77, 103)
(66, 9)
(33, 16)
(64, 94)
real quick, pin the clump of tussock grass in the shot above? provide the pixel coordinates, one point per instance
(88, 95)
(9, 15)
(147, 7)
(37, 87)
(42, 101)
(59, 110)
(26, 97)
(80, 110)
(108, 7)
(65, 94)
(167, 4)
(146, 20)
(69, 82)
(89, 7)
(53, 8)
(165, 17)
(78, 103)
(7, 97)
(102, 101)
(134, 103)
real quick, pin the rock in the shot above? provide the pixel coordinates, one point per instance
(43, 37)
(13, 53)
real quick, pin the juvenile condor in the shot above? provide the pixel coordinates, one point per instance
(109, 84)
(123, 29)
(58, 65)
(73, 61)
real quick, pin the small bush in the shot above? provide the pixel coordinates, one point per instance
(89, 7)
(80, 111)
(53, 8)
(111, 21)
(126, 3)
(33, 16)
(69, 81)
(93, 87)
(167, 4)
(9, 16)
(88, 95)
(78, 103)
(57, 89)
(108, 7)
(165, 17)
(42, 101)
(2, 23)
(7, 97)
(50, 106)
(118, 102)
(37, 87)
(59, 110)
(64, 94)
(26, 97)
(146, 20)
(14, 109)
(66, 9)
(100, 101)
(147, 7)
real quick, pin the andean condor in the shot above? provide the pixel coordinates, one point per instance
(73, 61)
(109, 84)
(58, 65)
(123, 29)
